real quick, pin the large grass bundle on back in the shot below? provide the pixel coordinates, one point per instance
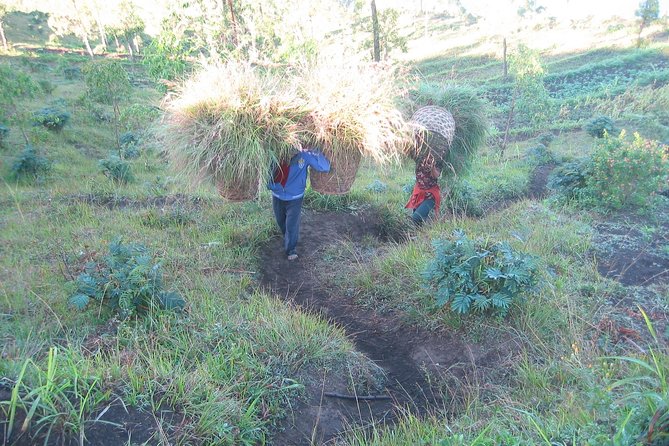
(353, 113)
(470, 114)
(231, 124)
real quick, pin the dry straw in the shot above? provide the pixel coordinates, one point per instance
(232, 123)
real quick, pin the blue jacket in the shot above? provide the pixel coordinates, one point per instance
(296, 182)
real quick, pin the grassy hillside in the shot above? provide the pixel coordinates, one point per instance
(579, 358)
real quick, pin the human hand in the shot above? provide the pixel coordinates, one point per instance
(300, 147)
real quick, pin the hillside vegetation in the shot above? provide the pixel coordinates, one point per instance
(138, 309)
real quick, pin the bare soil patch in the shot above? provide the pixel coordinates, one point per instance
(411, 358)
(634, 249)
(537, 189)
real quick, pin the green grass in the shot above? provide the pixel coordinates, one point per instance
(235, 361)
(229, 363)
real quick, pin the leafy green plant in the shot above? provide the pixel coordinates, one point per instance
(377, 186)
(598, 126)
(136, 118)
(569, 180)
(166, 57)
(129, 145)
(625, 173)
(30, 164)
(127, 280)
(51, 118)
(540, 155)
(477, 276)
(117, 169)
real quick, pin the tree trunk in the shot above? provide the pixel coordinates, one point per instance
(375, 32)
(235, 41)
(3, 38)
(506, 66)
(88, 45)
(135, 41)
(118, 44)
(128, 41)
(509, 120)
(103, 36)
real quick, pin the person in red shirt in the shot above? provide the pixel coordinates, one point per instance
(426, 194)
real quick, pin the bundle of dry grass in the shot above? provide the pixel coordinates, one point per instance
(230, 123)
(233, 124)
(352, 113)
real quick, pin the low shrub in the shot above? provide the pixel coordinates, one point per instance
(598, 126)
(464, 199)
(138, 117)
(539, 155)
(116, 169)
(128, 138)
(46, 86)
(127, 280)
(177, 216)
(545, 138)
(129, 146)
(51, 118)
(569, 180)
(30, 164)
(625, 173)
(478, 276)
(72, 72)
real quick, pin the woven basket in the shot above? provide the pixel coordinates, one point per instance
(238, 192)
(434, 127)
(341, 176)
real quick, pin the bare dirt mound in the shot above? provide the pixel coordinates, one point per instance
(633, 250)
(407, 355)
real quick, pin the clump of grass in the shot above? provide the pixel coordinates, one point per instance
(230, 123)
(470, 113)
(353, 111)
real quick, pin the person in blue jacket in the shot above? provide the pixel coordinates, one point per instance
(288, 183)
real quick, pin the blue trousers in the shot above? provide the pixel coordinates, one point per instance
(421, 213)
(288, 214)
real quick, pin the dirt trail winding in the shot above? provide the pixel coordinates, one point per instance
(404, 353)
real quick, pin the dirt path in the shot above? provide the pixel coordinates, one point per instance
(404, 353)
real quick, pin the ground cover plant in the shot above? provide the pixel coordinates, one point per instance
(349, 345)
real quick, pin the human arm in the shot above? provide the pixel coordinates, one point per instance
(315, 159)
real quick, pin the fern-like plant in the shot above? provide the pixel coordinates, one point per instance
(476, 276)
(127, 279)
